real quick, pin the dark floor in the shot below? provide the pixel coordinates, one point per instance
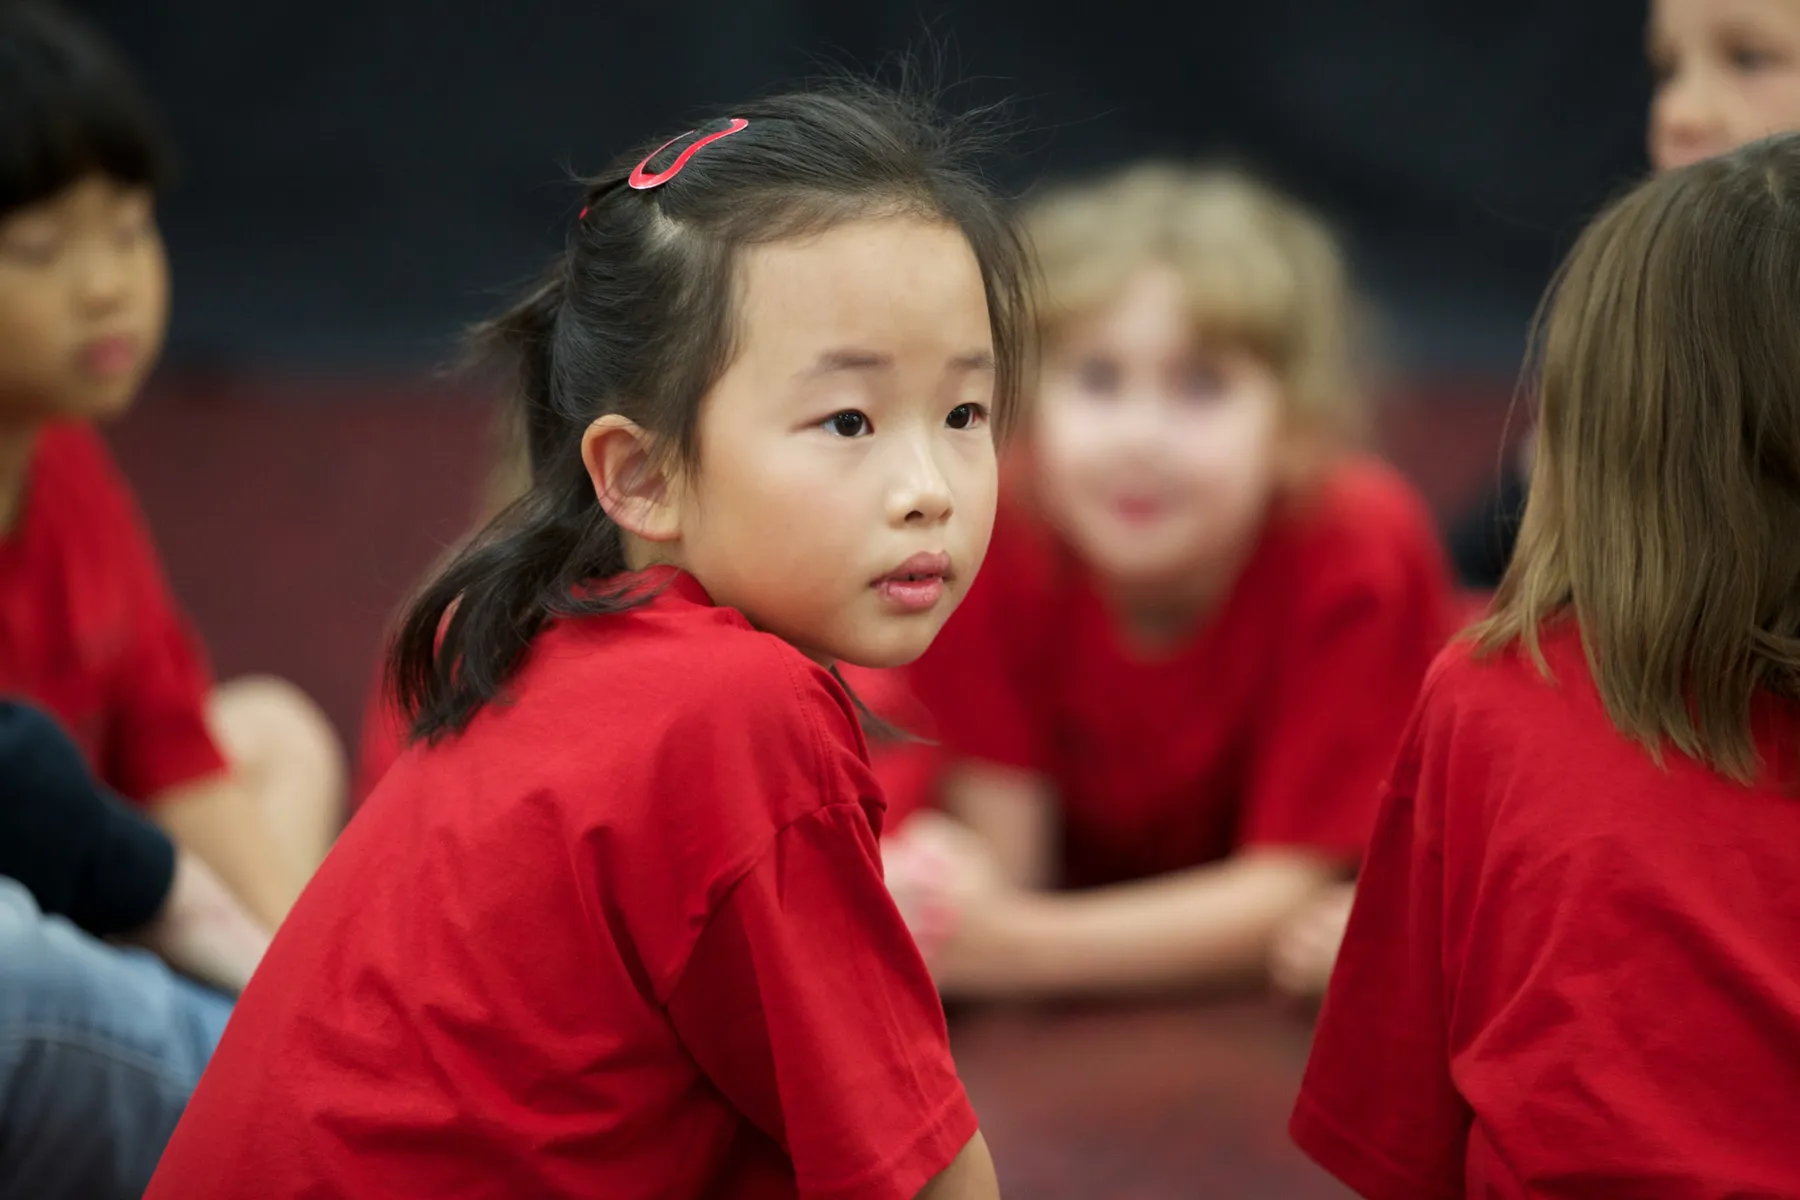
(1170, 1100)
(294, 514)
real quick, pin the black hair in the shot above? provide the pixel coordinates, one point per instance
(636, 317)
(69, 108)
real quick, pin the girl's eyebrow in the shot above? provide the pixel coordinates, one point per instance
(833, 361)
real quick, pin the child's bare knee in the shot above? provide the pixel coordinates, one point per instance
(267, 724)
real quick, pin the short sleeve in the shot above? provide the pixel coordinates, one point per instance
(807, 1005)
(1350, 675)
(1378, 1108)
(983, 680)
(158, 737)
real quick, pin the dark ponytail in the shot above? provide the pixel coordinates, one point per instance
(523, 568)
(636, 318)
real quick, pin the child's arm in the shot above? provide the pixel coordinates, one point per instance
(1007, 936)
(1306, 947)
(970, 1177)
(216, 820)
(1015, 814)
(204, 930)
(1207, 925)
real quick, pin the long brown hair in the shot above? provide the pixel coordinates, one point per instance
(1664, 511)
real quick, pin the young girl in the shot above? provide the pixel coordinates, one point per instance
(1726, 73)
(248, 775)
(1174, 689)
(1571, 969)
(617, 927)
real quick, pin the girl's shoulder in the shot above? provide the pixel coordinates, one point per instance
(683, 672)
(1490, 704)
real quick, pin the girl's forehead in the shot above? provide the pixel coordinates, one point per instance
(1682, 17)
(1157, 317)
(877, 280)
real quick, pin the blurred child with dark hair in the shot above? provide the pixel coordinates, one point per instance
(246, 775)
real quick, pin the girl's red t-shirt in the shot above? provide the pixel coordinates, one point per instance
(1571, 972)
(626, 935)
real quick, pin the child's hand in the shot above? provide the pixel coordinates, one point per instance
(950, 890)
(916, 879)
(1305, 948)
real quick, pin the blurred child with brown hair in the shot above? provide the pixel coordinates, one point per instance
(1570, 971)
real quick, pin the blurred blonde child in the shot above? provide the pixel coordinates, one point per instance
(1173, 693)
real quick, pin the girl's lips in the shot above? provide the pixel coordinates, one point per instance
(1137, 510)
(109, 355)
(917, 584)
(912, 595)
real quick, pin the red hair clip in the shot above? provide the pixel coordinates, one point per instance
(642, 180)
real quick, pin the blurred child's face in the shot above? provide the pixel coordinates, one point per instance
(846, 483)
(1156, 453)
(1727, 72)
(84, 293)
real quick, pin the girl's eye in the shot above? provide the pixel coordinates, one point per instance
(967, 416)
(849, 424)
(1097, 376)
(129, 232)
(1750, 58)
(1201, 381)
(31, 251)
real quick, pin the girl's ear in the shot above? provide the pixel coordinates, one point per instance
(629, 480)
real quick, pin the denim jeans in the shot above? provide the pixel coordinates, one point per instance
(100, 1047)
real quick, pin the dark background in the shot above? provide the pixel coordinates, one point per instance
(363, 179)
